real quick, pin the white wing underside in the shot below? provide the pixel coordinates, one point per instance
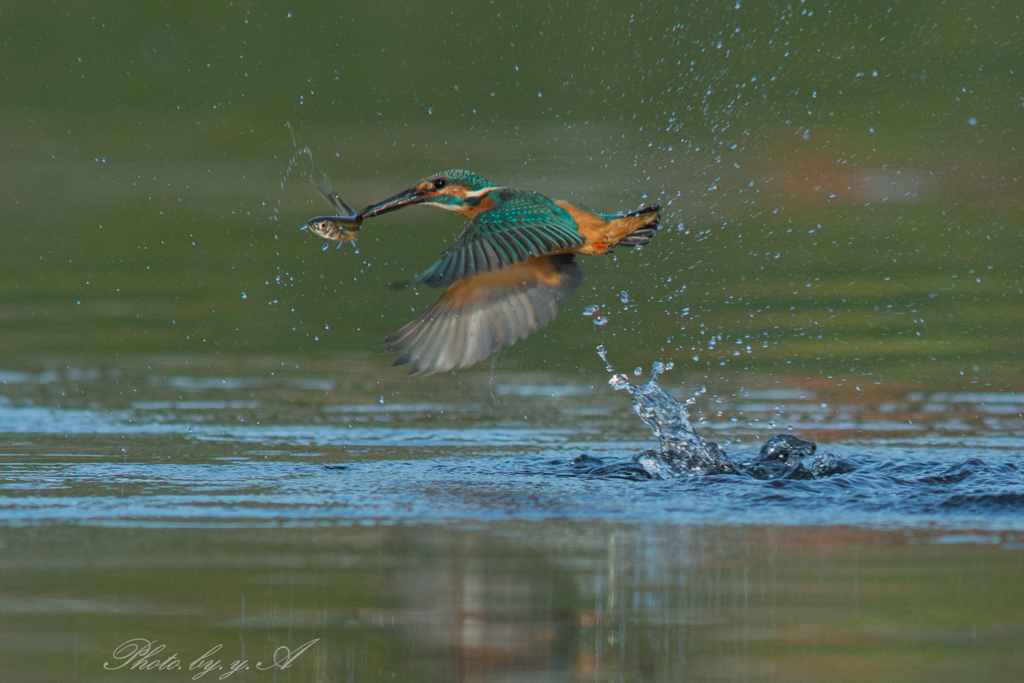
(480, 314)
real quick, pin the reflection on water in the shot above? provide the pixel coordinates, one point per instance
(534, 601)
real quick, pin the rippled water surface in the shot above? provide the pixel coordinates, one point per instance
(196, 450)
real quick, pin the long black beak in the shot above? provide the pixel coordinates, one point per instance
(407, 198)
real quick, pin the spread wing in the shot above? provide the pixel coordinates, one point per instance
(479, 315)
(522, 227)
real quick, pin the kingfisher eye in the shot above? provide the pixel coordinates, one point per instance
(439, 183)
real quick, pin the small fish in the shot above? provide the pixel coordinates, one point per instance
(343, 227)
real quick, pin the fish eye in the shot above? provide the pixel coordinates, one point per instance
(439, 183)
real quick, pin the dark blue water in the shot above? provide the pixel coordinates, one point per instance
(894, 487)
(231, 451)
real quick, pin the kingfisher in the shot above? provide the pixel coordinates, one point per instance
(509, 272)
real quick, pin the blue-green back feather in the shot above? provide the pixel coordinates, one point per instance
(522, 225)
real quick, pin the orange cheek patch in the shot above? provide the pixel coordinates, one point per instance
(470, 211)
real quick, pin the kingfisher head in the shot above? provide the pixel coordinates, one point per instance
(457, 190)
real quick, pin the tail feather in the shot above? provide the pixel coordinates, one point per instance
(650, 219)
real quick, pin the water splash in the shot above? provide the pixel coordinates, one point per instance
(785, 456)
(682, 452)
(300, 150)
(658, 409)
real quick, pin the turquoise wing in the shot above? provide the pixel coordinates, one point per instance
(522, 226)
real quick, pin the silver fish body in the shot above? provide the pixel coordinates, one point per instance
(335, 228)
(343, 227)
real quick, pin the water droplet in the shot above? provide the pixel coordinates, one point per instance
(696, 357)
(600, 320)
(326, 246)
(624, 296)
(591, 309)
(244, 295)
(381, 400)
(620, 382)
(638, 371)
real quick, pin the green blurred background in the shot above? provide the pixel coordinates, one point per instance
(841, 180)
